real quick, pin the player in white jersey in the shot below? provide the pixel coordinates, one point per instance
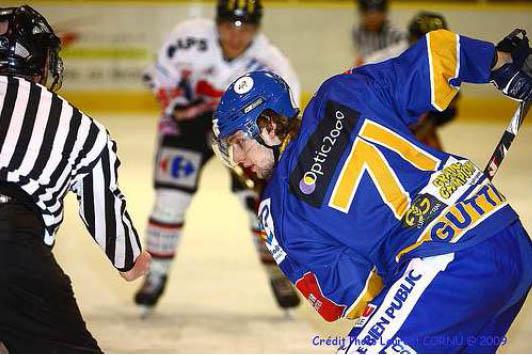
(197, 62)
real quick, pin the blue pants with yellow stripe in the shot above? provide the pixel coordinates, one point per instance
(462, 302)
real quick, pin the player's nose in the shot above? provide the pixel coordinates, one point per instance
(238, 156)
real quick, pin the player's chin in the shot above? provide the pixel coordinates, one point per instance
(264, 174)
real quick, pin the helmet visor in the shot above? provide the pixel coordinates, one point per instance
(230, 149)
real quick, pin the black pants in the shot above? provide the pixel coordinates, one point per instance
(38, 311)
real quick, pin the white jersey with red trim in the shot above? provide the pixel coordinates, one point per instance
(190, 66)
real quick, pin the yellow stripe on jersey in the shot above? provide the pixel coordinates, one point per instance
(444, 60)
(376, 133)
(373, 286)
(364, 156)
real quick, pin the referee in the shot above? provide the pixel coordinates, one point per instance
(374, 32)
(47, 148)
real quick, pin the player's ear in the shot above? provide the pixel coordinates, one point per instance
(267, 131)
(271, 129)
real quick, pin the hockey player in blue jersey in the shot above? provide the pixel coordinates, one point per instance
(415, 244)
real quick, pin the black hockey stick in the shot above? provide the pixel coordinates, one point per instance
(506, 140)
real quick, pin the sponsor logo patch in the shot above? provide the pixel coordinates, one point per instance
(453, 177)
(178, 167)
(266, 220)
(243, 85)
(253, 105)
(311, 177)
(423, 210)
(395, 303)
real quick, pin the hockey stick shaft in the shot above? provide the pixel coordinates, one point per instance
(506, 140)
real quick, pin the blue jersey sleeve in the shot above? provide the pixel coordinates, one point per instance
(428, 75)
(337, 281)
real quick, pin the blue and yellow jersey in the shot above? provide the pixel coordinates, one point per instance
(355, 193)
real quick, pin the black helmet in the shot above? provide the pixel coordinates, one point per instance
(28, 47)
(368, 5)
(424, 22)
(245, 11)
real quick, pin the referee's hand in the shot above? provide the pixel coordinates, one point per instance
(142, 264)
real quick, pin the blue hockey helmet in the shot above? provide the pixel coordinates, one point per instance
(242, 104)
(246, 98)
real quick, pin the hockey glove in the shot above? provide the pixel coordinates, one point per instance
(183, 110)
(515, 79)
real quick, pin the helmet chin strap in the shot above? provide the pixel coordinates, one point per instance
(276, 152)
(276, 149)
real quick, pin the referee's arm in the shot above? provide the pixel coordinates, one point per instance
(103, 210)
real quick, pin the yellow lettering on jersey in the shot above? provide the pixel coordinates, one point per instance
(444, 60)
(458, 219)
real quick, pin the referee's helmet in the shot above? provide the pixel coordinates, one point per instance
(29, 47)
(243, 11)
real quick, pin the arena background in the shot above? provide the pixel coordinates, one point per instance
(218, 299)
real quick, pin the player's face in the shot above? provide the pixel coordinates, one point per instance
(4, 25)
(235, 37)
(250, 154)
(373, 19)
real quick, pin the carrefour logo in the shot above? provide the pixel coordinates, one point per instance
(178, 166)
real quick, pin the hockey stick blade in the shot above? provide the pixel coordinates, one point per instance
(506, 140)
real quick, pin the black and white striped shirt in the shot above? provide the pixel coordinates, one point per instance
(367, 42)
(49, 147)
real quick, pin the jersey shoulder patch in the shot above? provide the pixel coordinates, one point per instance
(267, 222)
